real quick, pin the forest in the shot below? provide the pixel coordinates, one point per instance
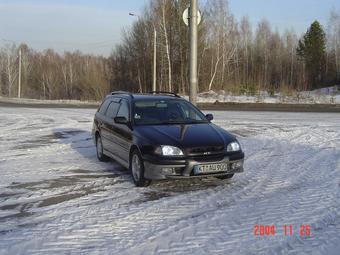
(234, 55)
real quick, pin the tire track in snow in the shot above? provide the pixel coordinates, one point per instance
(281, 185)
(271, 210)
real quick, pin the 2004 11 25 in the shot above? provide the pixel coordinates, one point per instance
(287, 230)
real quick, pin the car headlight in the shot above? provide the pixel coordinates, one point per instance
(167, 150)
(234, 146)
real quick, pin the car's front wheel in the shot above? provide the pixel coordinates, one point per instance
(99, 147)
(137, 170)
(224, 177)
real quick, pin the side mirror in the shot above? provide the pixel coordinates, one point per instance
(121, 120)
(209, 117)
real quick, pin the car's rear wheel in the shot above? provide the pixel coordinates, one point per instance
(224, 177)
(99, 147)
(137, 170)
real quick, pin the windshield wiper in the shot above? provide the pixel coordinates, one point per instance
(168, 122)
(197, 121)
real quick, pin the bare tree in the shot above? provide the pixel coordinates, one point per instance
(334, 40)
(11, 69)
(164, 26)
(232, 58)
(222, 31)
(246, 41)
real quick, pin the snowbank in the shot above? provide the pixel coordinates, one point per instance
(330, 95)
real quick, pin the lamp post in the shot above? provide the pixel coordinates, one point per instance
(19, 82)
(154, 80)
(193, 51)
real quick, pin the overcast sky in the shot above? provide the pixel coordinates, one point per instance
(94, 26)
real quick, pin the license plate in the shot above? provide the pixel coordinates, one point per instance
(211, 168)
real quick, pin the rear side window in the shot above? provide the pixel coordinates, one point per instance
(104, 106)
(123, 110)
(112, 110)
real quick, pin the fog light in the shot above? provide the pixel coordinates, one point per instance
(236, 165)
(168, 170)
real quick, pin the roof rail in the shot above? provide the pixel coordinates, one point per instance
(122, 93)
(164, 92)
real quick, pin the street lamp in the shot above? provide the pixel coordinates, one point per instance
(193, 51)
(154, 81)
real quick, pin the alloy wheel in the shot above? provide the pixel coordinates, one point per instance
(136, 167)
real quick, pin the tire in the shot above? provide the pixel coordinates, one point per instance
(225, 177)
(137, 170)
(99, 148)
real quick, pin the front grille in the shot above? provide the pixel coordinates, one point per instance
(208, 150)
(208, 158)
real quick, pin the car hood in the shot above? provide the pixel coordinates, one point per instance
(185, 136)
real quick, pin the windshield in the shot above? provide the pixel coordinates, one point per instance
(169, 111)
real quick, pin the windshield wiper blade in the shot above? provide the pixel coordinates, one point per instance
(182, 122)
(171, 122)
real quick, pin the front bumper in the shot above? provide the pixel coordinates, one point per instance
(183, 169)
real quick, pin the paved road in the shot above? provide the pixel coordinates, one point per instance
(204, 106)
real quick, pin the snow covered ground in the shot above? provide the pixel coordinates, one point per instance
(56, 198)
(29, 101)
(329, 95)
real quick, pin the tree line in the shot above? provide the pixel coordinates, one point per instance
(233, 56)
(49, 75)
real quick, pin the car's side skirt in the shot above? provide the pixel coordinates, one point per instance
(116, 158)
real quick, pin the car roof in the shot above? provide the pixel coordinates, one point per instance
(141, 96)
(155, 96)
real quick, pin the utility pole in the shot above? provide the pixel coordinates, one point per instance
(154, 76)
(19, 82)
(193, 51)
